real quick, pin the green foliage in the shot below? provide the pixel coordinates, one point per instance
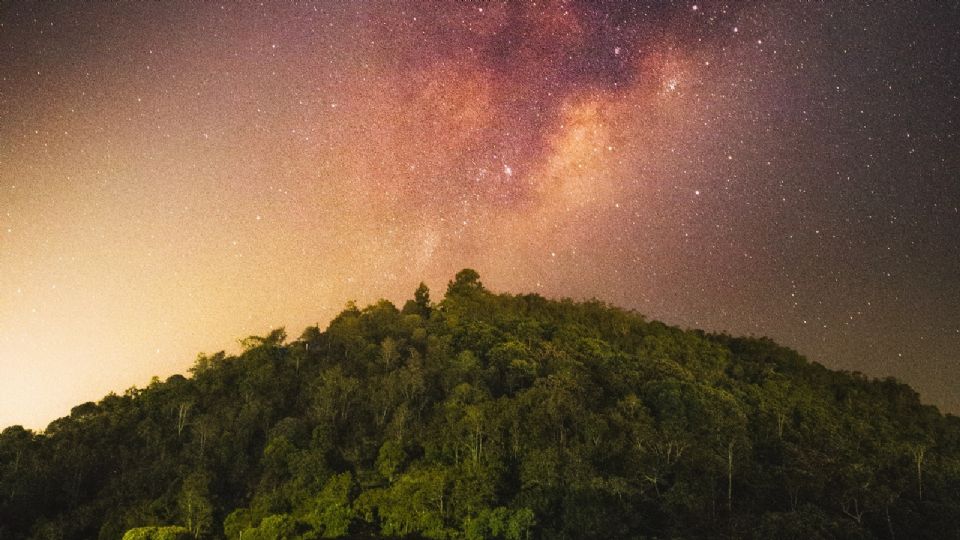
(491, 416)
(500, 522)
(274, 527)
(390, 459)
(467, 281)
(420, 304)
(238, 521)
(158, 533)
(331, 512)
(415, 503)
(196, 509)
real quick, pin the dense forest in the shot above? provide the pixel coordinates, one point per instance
(491, 416)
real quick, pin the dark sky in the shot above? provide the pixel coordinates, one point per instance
(174, 176)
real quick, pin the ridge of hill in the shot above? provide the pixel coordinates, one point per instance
(491, 416)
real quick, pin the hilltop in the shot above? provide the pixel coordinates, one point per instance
(491, 416)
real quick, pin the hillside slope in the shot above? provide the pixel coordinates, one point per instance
(492, 416)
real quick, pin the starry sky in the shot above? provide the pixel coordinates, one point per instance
(175, 176)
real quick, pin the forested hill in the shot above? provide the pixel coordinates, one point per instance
(491, 416)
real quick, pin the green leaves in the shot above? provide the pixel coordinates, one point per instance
(491, 416)
(418, 502)
(465, 283)
(500, 522)
(196, 508)
(158, 533)
(330, 512)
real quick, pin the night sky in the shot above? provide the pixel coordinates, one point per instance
(174, 177)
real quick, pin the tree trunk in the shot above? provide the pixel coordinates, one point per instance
(730, 476)
(851, 507)
(918, 455)
(182, 417)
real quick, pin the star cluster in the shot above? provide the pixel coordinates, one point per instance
(176, 176)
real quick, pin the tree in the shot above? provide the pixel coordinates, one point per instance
(196, 508)
(275, 338)
(498, 416)
(330, 512)
(465, 283)
(420, 305)
(918, 450)
(422, 298)
(389, 459)
(158, 533)
(416, 503)
(273, 527)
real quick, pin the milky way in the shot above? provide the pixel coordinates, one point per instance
(177, 176)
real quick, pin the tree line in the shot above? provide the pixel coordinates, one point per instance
(491, 416)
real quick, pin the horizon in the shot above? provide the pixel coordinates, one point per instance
(237, 348)
(174, 177)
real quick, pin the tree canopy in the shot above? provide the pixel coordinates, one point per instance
(491, 416)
